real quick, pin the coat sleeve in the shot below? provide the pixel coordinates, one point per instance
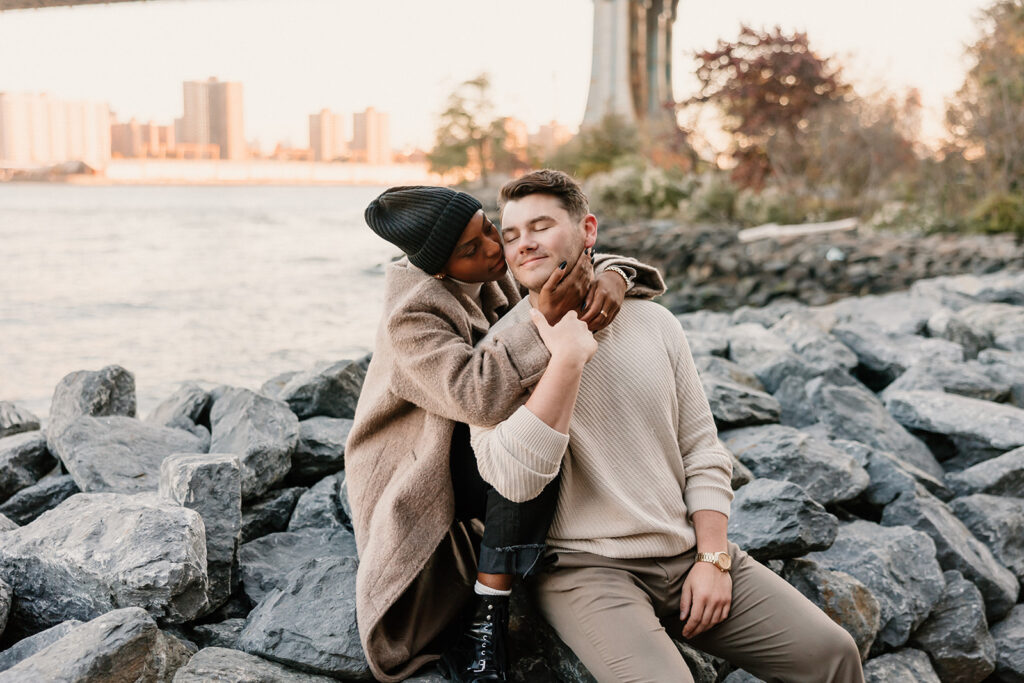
(648, 283)
(437, 369)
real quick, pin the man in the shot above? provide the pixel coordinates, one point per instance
(639, 532)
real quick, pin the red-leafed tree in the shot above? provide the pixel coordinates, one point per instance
(765, 83)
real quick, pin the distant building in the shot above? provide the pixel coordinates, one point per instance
(36, 129)
(134, 140)
(213, 116)
(549, 137)
(371, 137)
(327, 136)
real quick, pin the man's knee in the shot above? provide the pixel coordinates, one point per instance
(838, 647)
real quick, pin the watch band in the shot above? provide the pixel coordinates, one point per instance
(721, 560)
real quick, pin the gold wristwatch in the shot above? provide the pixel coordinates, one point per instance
(719, 559)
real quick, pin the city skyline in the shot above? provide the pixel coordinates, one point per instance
(406, 58)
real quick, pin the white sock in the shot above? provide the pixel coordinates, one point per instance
(481, 589)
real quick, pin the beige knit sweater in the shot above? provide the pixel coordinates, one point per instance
(643, 452)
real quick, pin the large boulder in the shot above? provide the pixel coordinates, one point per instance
(187, 407)
(726, 369)
(821, 350)
(848, 410)
(961, 431)
(324, 640)
(6, 596)
(707, 343)
(24, 459)
(225, 665)
(960, 291)
(956, 635)
(939, 374)
(796, 409)
(1000, 324)
(899, 313)
(945, 324)
(262, 432)
(121, 646)
(28, 503)
(998, 522)
(898, 566)
(827, 474)
(14, 420)
(956, 548)
(269, 513)
(1005, 369)
(902, 666)
(96, 552)
(320, 507)
(6, 524)
(265, 562)
(321, 449)
(120, 454)
(329, 389)
(26, 647)
(1009, 637)
(737, 405)
(220, 634)
(1000, 476)
(846, 601)
(109, 391)
(776, 519)
(884, 356)
(210, 484)
(768, 356)
(889, 476)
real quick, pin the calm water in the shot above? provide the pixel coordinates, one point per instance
(216, 284)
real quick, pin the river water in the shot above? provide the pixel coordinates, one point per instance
(221, 285)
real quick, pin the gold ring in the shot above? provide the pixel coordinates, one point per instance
(603, 313)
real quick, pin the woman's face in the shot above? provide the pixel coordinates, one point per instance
(477, 256)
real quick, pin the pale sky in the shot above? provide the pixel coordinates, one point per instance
(295, 57)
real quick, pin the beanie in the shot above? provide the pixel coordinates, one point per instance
(425, 222)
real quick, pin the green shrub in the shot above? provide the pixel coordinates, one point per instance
(1000, 212)
(635, 190)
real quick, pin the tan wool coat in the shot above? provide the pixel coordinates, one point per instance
(416, 564)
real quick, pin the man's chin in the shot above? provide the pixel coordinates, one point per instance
(533, 280)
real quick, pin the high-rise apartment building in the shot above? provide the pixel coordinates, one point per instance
(213, 116)
(371, 137)
(327, 135)
(39, 129)
(134, 140)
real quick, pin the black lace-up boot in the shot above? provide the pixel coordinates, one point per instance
(481, 654)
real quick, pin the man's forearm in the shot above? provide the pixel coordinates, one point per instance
(711, 527)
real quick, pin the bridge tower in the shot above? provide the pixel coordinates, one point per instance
(631, 70)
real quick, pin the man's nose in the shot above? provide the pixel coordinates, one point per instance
(527, 242)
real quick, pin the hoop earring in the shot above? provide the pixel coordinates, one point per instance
(439, 276)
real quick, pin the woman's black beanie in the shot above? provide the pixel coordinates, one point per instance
(425, 222)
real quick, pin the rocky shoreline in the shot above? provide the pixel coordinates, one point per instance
(879, 445)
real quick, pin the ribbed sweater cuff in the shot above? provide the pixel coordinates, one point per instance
(706, 498)
(526, 350)
(540, 447)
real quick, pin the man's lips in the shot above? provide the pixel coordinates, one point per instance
(532, 259)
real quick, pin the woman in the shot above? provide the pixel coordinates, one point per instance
(410, 474)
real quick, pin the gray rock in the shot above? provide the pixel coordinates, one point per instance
(776, 519)
(273, 386)
(961, 431)
(222, 634)
(902, 666)
(818, 348)
(998, 522)
(1001, 476)
(702, 666)
(266, 561)
(321, 641)
(960, 291)
(119, 454)
(26, 647)
(270, 512)
(741, 676)
(720, 367)
(956, 548)
(189, 405)
(827, 474)
(1005, 373)
(321, 448)
(109, 391)
(846, 601)
(889, 476)
(741, 474)
(210, 484)
(6, 524)
(320, 506)
(766, 355)
(737, 405)
(938, 374)
(96, 552)
(766, 316)
(885, 356)
(1001, 325)
(898, 566)
(24, 459)
(893, 313)
(331, 390)
(225, 665)
(955, 635)
(707, 343)
(1009, 637)
(6, 596)
(796, 408)
(122, 646)
(28, 503)
(852, 412)
(944, 324)
(996, 356)
(14, 420)
(346, 504)
(705, 321)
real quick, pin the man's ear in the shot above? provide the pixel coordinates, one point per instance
(589, 231)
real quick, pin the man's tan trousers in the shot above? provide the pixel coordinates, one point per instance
(619, 617)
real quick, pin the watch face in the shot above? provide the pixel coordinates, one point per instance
(724, 562)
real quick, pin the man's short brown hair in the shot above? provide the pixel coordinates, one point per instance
(560, 185)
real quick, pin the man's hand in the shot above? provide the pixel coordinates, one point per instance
(707, 596)
(603, 300)
(565, 288)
